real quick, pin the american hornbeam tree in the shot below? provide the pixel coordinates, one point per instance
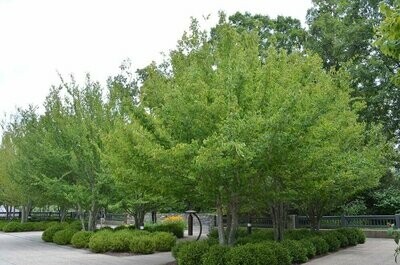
(243, 125)
(129, 150)
(24, 131)
(77, 120)
(10, 193)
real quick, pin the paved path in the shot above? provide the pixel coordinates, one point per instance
(28, 249)
(376, 251)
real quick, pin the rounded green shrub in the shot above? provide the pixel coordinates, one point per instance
(344, 242)
(49, 232)
(13, 227)
(178, 246)
(332, 240)
(176, 228)
(191, 253)
(75, 225)
(321, 246)
(350, 234)
(281, 253)
(121, 239)
(81, 239)
(298, 234)
(142, 245)
(216, 255)
(250, 254)
(297, 251)
(63, 237)
(309, 246)
(360, 235)
(164, 241)
(100, 242)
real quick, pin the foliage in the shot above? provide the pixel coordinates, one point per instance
(281, 253)
(297, 250)
(142, 245)
(351, 234)
(100, 242)
(311, 250)
(176, 228)
(81, 239)
(191, 253)
(389, 30)
(164, 241)
(63, 237)
(48, 234)
(320, 245)
(251, 254)
(332, 240)
(216, 255)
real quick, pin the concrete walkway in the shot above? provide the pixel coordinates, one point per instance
(28, 249)
(375, 251)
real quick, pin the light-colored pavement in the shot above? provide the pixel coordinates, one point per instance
(376, 251)
(28, 249)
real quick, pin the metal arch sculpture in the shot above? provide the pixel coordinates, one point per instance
(190, 228)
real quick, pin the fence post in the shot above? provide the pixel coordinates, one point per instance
(397, 220)
(292, 221)
(343, 220)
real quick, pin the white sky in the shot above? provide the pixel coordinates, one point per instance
(39, 38)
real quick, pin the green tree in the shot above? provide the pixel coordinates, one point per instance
(252, 128)
(342, 33)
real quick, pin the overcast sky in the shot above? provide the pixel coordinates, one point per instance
(39, 38)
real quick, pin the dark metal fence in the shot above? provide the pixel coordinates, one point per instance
(296, 221)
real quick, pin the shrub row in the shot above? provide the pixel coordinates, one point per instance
(176, 228)
(25, 227)
(258, 248)
(138, 242)
(106, 239)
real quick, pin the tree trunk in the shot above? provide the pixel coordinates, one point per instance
(81, 217)
(25, 211)
(315, 215)
(92, 216)
(234, 222)
(279, 218)
(8, 208)
(63, 213)
(220, 223)
(139, 218)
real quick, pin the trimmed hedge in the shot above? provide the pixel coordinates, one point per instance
(17, 226)
(142, 245)
(321, 246)
(281, 253)
(308, 245)
(250, 254)
(332, 240)
(344, 242)
(297, 251)
(216, 255)
(100, 242)
(176, 228)
(120, 240)
(49, 232)
(164, 241)
(81, 239)
(63, 237)
(190, 253)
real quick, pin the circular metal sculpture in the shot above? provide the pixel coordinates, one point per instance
(190, 223)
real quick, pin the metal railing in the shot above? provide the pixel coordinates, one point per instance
(327, 222)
